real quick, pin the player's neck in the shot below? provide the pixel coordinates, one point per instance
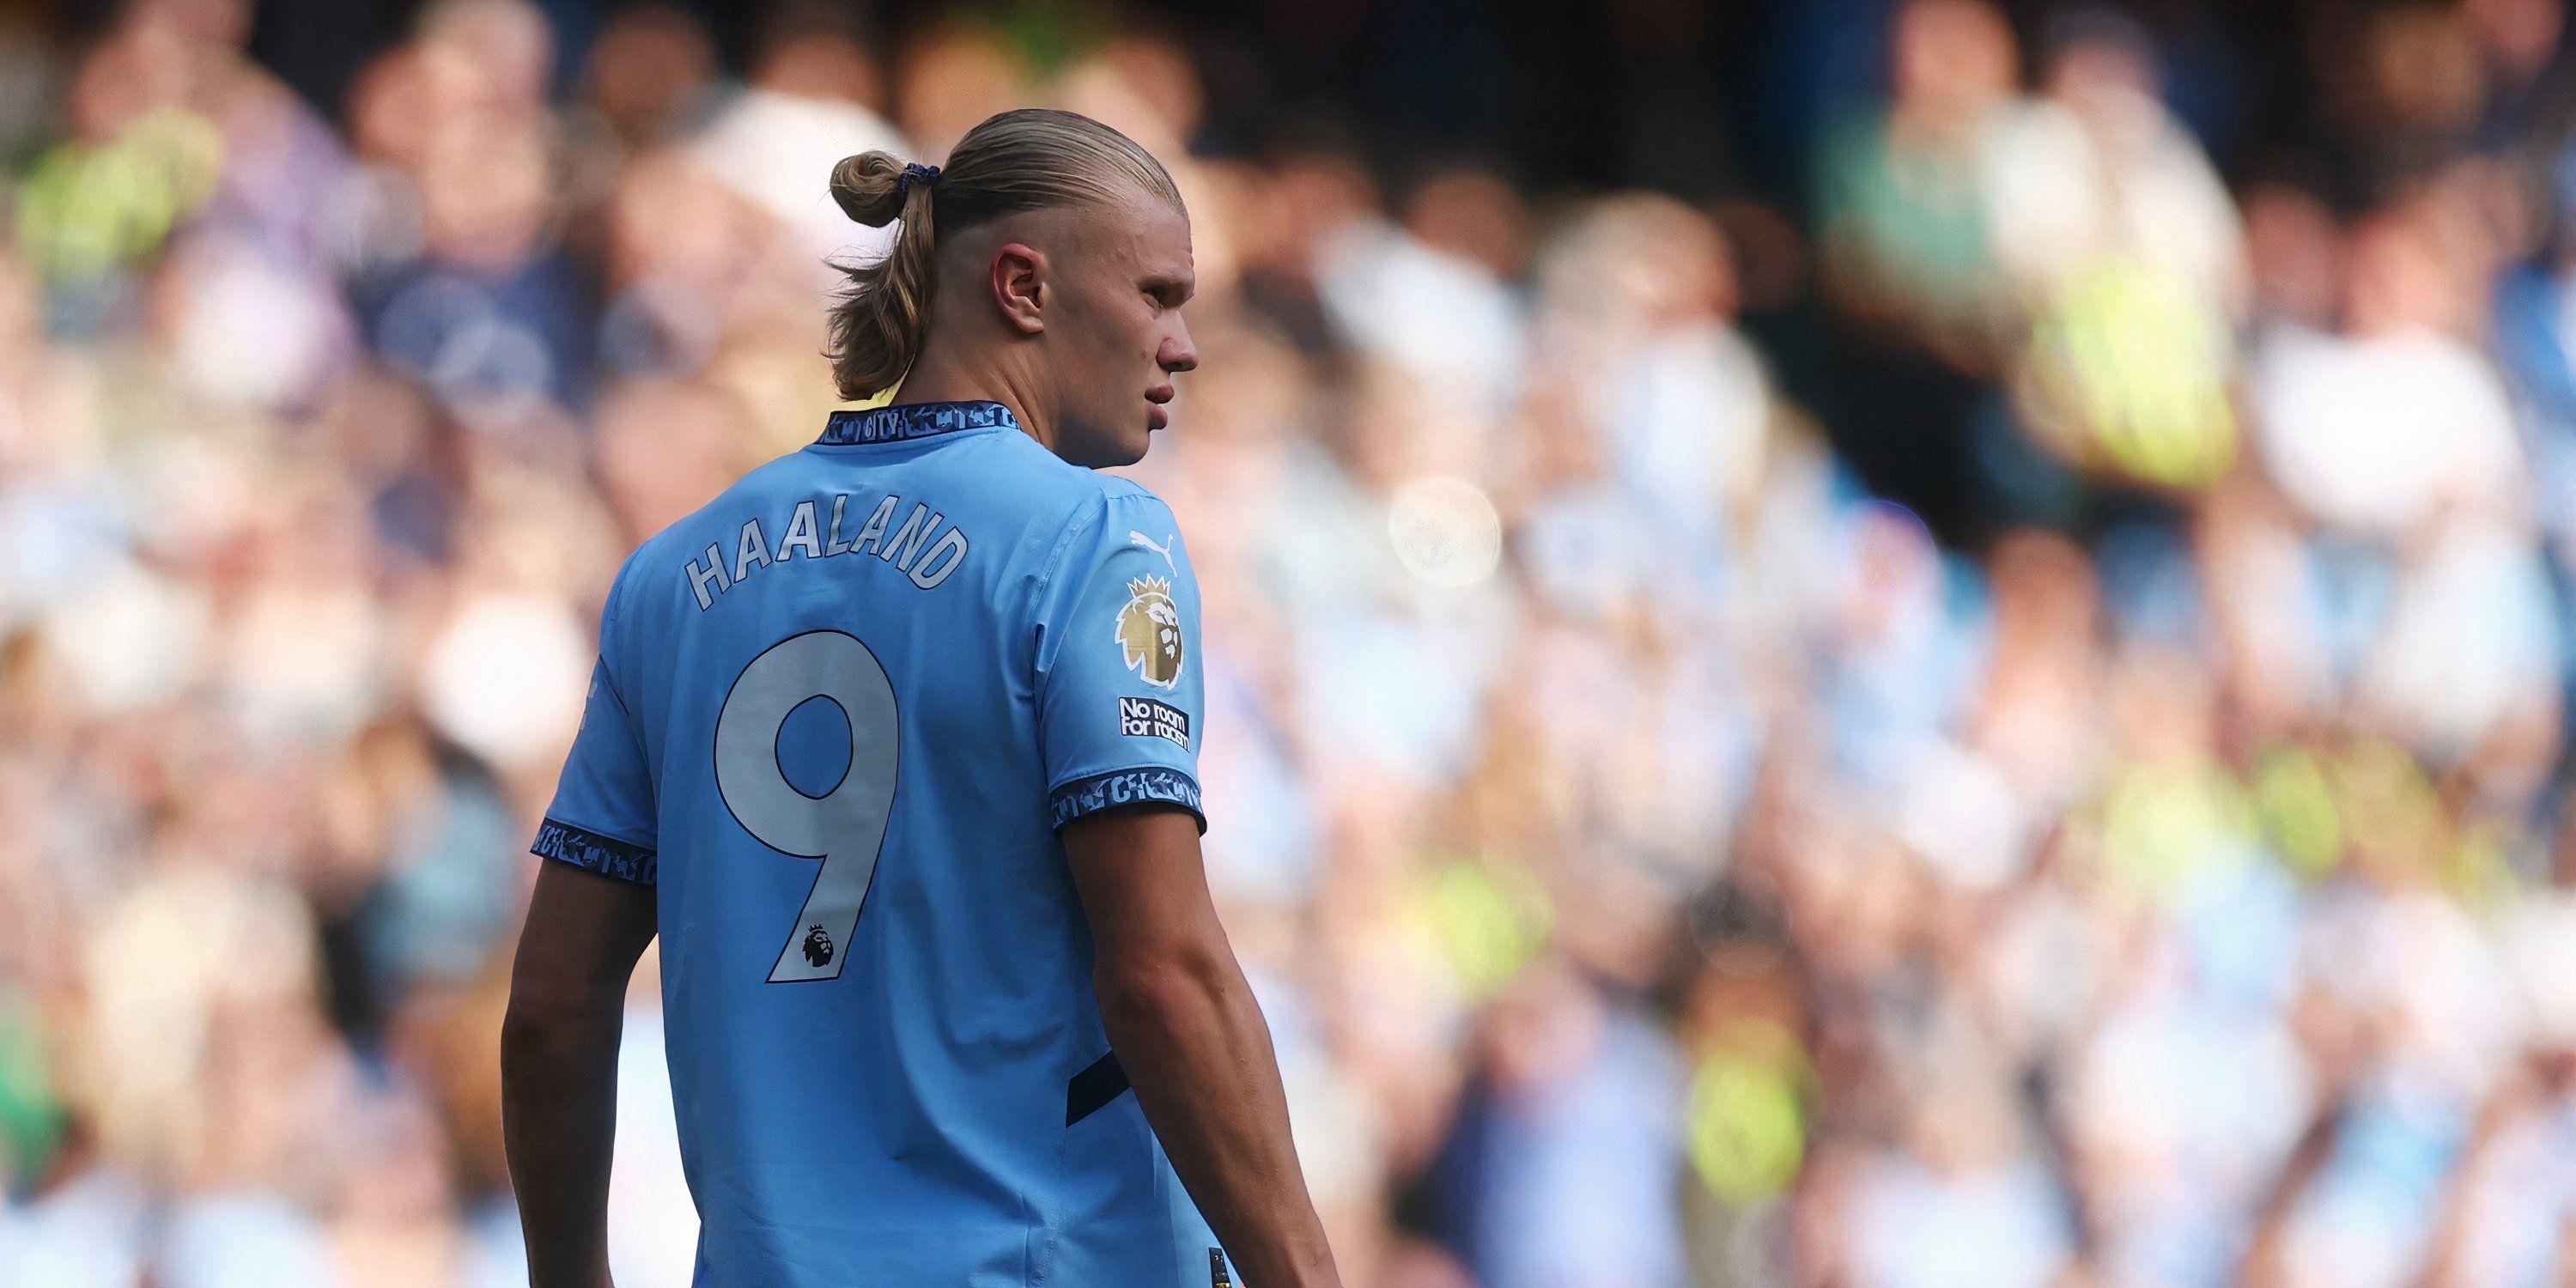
(936, 379)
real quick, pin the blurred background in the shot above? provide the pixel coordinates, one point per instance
(1851, 644)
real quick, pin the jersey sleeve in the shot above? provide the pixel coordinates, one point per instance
(1118, 667)
(603, 816)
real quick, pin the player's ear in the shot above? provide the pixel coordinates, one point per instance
(1019, 282)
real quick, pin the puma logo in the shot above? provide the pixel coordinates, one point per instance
(1135, 538)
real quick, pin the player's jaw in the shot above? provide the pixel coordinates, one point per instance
(1111, 422)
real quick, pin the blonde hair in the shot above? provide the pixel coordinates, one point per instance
(1029, 159)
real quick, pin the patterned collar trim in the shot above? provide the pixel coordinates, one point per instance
(912, 420)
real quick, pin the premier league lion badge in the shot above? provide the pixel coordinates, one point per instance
(1149, 631)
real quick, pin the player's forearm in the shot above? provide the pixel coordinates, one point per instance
(1198, 1053)
(559, 1120)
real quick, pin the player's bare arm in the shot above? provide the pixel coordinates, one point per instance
(1193, 1041)
(559, 1064)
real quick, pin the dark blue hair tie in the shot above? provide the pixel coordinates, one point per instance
(925, 175)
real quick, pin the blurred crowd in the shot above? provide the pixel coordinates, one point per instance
(1986, 714)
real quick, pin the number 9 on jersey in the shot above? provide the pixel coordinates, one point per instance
(845, 826)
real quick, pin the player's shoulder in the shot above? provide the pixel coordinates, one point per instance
(1074, 506)
(1120, 492)
(1069, 490)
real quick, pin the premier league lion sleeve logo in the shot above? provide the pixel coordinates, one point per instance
(1149, 632)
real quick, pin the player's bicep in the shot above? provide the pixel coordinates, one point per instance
(583, 935)
(1143, 884)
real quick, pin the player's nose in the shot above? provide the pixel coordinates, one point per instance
(1178, 354)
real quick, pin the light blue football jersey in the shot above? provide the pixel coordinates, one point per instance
(838, 716)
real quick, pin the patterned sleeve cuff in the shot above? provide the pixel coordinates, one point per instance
(605, 855)
(1153, 785)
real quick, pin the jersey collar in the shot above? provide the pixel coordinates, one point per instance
(912, 420)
